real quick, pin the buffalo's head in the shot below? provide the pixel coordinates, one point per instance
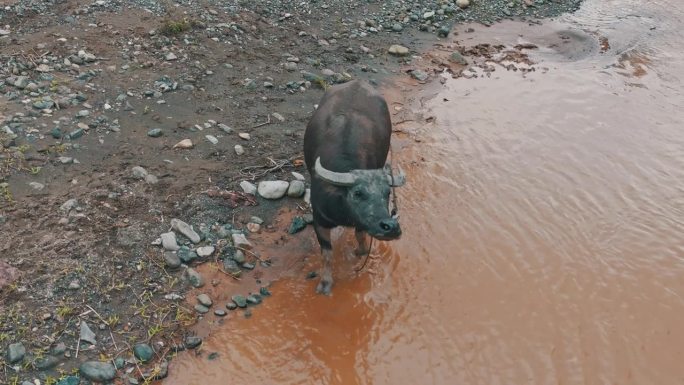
(367, 197)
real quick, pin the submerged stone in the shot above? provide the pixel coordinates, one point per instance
(239, 300)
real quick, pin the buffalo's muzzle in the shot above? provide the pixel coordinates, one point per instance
(389, 229)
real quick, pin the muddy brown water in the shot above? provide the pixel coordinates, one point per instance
(544, 230)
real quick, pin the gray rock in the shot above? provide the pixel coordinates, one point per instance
(15, 352)
(143, 352)
(21, 82)
(98, 371)
(46, 363)
(69, 380)
(254, 299)
(169, 241)
(139, 172)
(443, 31)
(225, 128)
(204, 300)
(463, 3)
(231, 306)
(43, 104)
(205, 251)
(239, 150)
(419, 75)
(151, 179)
(201, 309)
(220, 312)
(398, 50)
(76, 134)
(273, 189)
(212, 139)
(69, 205)
(119, 362)
(43, 68)
(239, 300)
(456, 57)
(86, 334)
(224, 231)
(155, 133)
(56, 133)
(298, 176)
(170, 56)
(186, 255)
(37, 186)
(239, 256)
(264, 291)
(239, 240)
(248, 187)
(192, 342)
(172, 260)
(231, 266)
(194, 277)
(257, 220)
(59, 349)
(397, 27)
(296, 189)
(186, 230)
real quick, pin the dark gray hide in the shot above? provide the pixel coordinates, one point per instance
(345, 149)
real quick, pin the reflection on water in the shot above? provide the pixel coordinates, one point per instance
(544, 236)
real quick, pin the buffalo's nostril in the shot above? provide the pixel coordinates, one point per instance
(385, 226)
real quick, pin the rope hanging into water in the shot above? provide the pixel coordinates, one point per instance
(394, 213)
(370, 247)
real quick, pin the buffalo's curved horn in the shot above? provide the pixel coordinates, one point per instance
(336, 178)
(397, 179)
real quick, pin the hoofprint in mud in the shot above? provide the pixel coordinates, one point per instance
(350, 133)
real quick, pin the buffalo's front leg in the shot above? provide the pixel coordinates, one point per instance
(362, 242)
(323, 235)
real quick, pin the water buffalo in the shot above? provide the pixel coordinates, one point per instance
(345, 149)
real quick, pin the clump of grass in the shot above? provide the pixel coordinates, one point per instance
(175, 27)
(5, 193)
(65, 311)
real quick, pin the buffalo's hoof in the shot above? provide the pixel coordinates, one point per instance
(324, 287)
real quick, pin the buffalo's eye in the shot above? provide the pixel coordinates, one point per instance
(358, 194)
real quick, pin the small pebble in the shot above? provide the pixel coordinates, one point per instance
(204, 300)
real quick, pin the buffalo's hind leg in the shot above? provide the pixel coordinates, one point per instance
(362, 243)
(323, 235)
